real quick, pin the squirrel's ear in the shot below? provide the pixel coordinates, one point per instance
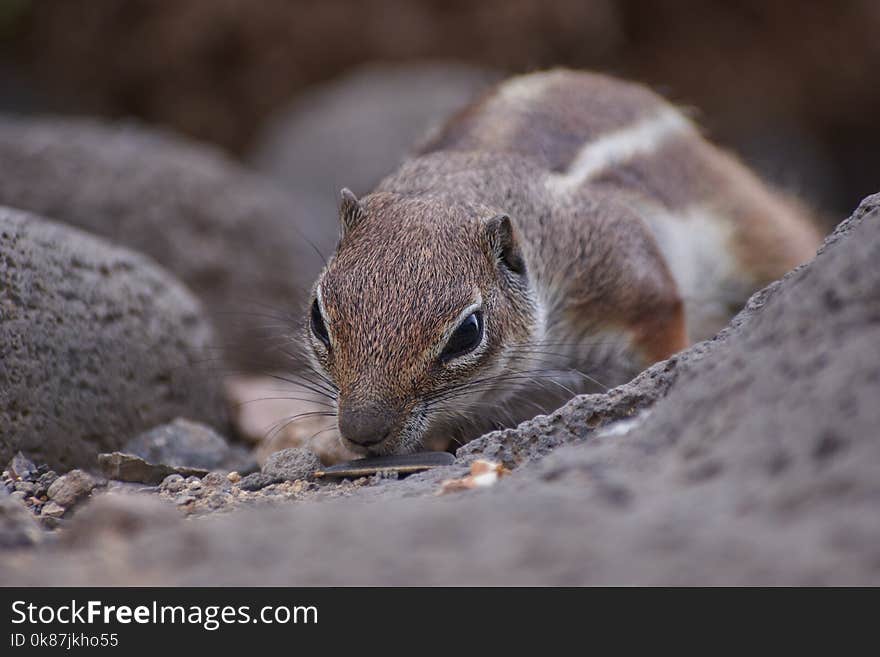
(504, 242)
(350, 211)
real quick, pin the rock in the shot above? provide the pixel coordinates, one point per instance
(68, 489)
(25, 487)
(291, 464)
(215, 480)
(183, 443)
(22, 467)
(128, 467)
(258, 480)
(240, 244)
(45, 481)
(52, 510)
(97, 345)
(18, 529)
(173, 483)
(355, 130)
(577, 419)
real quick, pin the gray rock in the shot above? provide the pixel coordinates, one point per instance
(173, 483)
(22, 467)
(44, 482)
(131, 468)
(216, 480)
(183, 443)
(68, 489)
(581, 417)
(758, 464)
(97, 344)
(240, 244)
(18, 529)
(26, 487)
(291, 464)
(354, 131)
(258, 480)
(52, 510)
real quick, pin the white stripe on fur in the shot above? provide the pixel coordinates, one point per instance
(696, 245)
(641, 138)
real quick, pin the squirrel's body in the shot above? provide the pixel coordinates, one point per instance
(580, 225)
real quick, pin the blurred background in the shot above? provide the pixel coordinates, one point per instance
(792, 87)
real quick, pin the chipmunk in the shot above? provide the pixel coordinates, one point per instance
(562, 233)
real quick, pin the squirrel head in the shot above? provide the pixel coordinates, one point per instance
(419, 308)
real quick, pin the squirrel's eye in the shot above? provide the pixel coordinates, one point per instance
(466, 337)
(318, 326)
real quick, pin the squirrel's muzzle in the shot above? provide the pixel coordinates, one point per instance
(366, 425)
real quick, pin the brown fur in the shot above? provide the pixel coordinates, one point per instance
(598, 299)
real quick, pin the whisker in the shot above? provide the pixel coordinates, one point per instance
(282, 424)
(310, 401)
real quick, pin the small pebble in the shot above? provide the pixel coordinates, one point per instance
(214, 480)
(234, 477)
(256, 481)
(25, 487)
(217, 500)
(184, 499)
(384, 475)
(45, 481)
(22, 467)
(53, 510)
(172, 483)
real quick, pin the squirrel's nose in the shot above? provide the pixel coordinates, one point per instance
(365, 426)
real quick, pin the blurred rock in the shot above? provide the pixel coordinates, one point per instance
(241, 245)
(112, 518)
(97, 344)
(183, 443)
(354, 131)
(18, 529)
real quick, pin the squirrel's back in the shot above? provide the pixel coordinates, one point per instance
(722, 231)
